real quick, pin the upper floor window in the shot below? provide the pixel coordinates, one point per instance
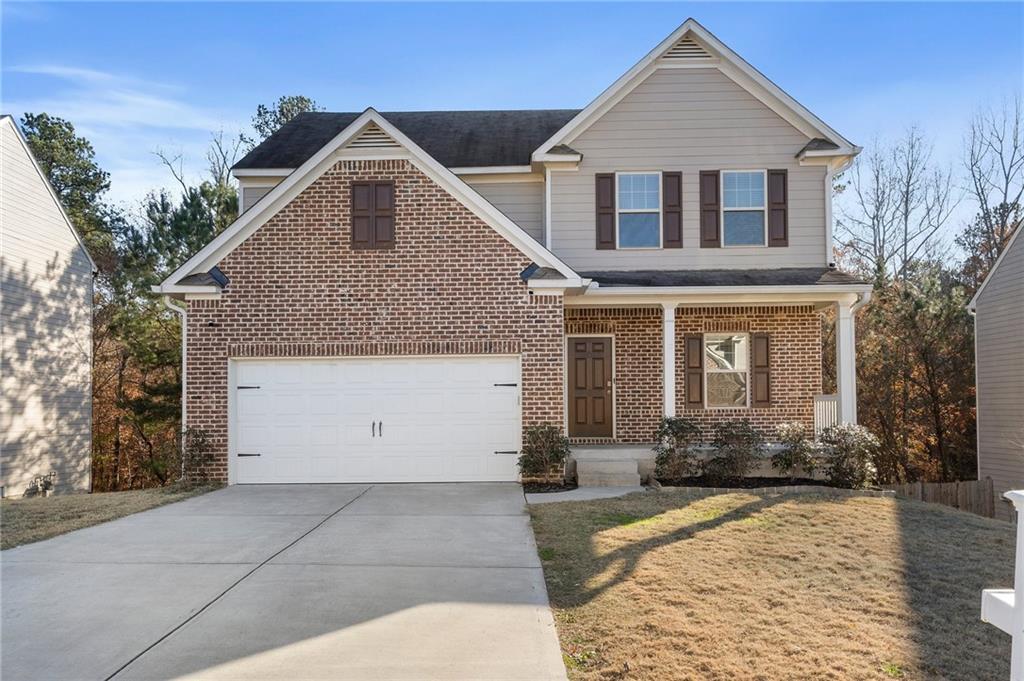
(639, 210)
(743, 207)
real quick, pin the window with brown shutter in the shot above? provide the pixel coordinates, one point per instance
(672, 210)
(693, 387)
(710, 203)
(373, 215)
(778, 200)
(604, 196)
(761, 391)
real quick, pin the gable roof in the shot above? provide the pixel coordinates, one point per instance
(457, 139)
(7, 119)
(995, 266)
(207, 258)
(710, 52)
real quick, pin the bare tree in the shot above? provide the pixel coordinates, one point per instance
(899, 203)
(994, 160)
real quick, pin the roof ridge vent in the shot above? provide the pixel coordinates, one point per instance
(686, 49)
(372, 137)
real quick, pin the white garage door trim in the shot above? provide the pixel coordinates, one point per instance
(502, 468)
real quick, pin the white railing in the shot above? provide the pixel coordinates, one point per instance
(826, 412)
(1004, 608)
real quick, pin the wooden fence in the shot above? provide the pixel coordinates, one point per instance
(973, 496)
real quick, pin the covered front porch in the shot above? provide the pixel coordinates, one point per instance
(635, 355)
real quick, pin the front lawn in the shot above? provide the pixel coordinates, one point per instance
(27, 520)
(662, 586)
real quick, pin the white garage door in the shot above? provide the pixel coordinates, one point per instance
(375, 420)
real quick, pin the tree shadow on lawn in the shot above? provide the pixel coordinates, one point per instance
(896, 583)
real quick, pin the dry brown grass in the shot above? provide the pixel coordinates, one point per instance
(23, 521)
(659, 586)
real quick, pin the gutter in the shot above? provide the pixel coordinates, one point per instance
(183, 312)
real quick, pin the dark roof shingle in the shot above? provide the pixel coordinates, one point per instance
(456, 139)
(790, 276)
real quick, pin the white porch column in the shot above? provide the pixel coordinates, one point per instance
(846, 362)
(668, 354)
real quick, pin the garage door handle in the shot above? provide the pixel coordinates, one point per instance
(380, 428)
(373, 429)
(509, 451)
(246, 454)
(248, 387)
(506, 385)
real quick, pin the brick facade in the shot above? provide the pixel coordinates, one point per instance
(297, 289)
(795, 356)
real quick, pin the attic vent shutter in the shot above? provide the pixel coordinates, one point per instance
(761, 395)
(604, 193)
(709, 209)
(693, 350)
(778, 210)
(686, 49)
(672, 210)
(373, 138)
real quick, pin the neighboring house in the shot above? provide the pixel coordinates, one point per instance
(404, 292)
(46, 287)
(998, 309)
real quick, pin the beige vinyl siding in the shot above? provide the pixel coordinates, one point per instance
(46, 290)
(999, 343)
(523, 202)
(251, 195)
(688, 120)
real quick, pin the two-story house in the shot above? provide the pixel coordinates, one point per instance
(404, 292)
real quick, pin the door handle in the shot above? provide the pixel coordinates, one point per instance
(380, 428)
(373, 429)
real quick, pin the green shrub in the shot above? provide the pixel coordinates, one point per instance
(544, 449)
(738, 446)
(797, 449)
(675, 455)
(849, 455)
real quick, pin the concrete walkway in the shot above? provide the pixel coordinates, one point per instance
(312, 582)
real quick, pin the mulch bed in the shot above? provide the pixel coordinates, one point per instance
(535, 487)
(744, 483)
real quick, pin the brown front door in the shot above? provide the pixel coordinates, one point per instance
(590, 387)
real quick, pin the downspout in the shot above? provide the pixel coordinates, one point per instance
(183, 312)
(973, 311)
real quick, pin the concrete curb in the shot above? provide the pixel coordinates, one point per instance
(778, 491)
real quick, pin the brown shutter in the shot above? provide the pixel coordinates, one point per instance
(605, 198)
(362, 215)
(710, 233)
(778, 200)
(672, 210)
(693, 350)
(761, 391)
(383, 215)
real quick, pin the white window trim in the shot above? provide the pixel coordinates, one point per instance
(763, 209)
(707, 370)
(660, 210)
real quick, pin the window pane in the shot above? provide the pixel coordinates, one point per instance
(727, 390)
(639, 192)
(743, 228)
(638, 230)
(726, 352)
(743, 190)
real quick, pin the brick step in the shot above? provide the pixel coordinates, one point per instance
(607, 473)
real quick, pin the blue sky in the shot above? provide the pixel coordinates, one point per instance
(139, 77)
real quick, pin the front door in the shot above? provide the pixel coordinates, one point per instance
(590, 387)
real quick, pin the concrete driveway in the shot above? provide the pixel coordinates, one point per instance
(288, 582)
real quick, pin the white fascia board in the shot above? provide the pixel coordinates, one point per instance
(49, 187)
(261, 172)
(308, 172)
(1009, 244)
(176, 289)
(729, 63)
(557, 158)
(491, 170)
(719, 295)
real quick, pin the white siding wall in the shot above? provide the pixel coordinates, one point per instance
(523, 202)
(46, 334)
(688, 120)
(999, 326)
